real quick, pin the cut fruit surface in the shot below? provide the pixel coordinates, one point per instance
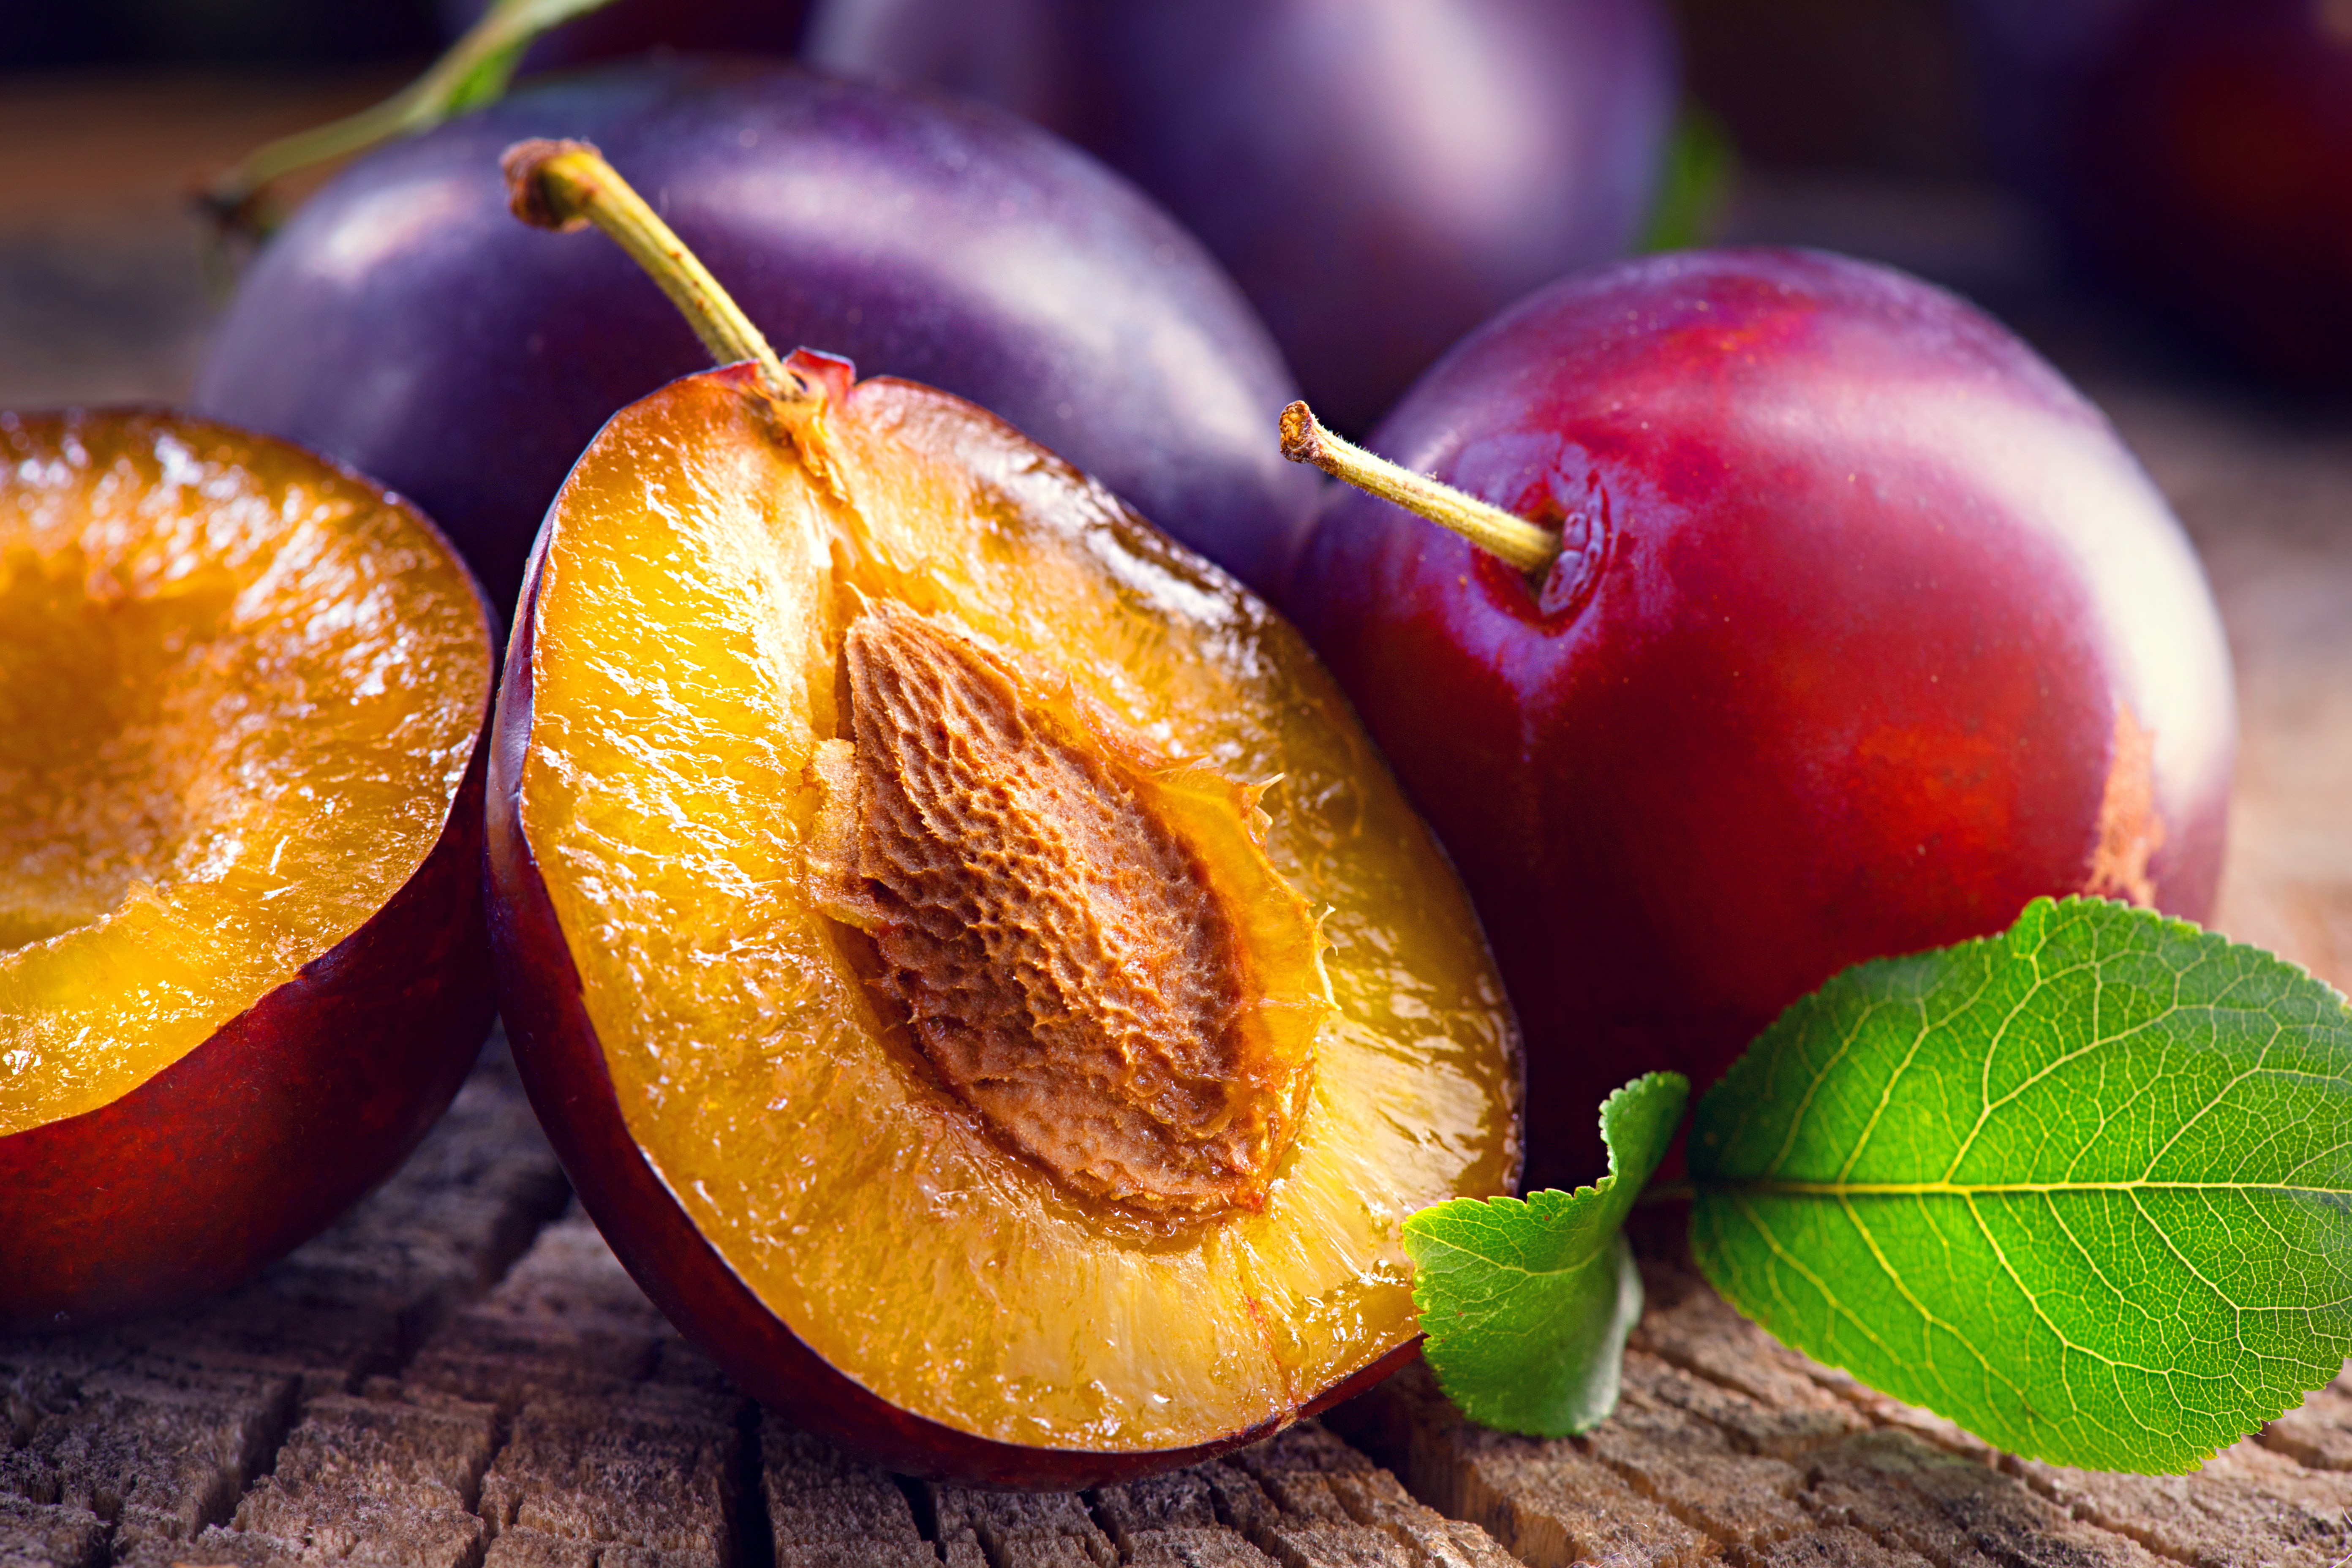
(243, 958)
(1005, 948)
(239, 690)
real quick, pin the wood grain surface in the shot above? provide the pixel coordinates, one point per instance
(459, 1375)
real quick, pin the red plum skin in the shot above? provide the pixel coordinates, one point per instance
(1870, 631)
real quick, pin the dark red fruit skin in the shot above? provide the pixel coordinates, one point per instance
(1380, 175)
(254, 1141)
(1834, 676)
(2197, 156)
(562, 1065)
(405, 322)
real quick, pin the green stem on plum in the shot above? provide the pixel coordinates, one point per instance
(1507, 538)
(472, 72)
(563, 185)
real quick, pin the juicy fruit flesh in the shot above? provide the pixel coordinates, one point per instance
(1069, 961)
(238, 691)
(697, 588)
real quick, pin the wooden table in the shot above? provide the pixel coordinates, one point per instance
(459, 1375)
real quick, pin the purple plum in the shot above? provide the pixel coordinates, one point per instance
(405, 323)
(1381, 176)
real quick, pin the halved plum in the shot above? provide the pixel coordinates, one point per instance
(242, 957)
(973, 966)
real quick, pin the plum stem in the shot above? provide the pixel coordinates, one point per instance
(1512, 539)
(563, 185)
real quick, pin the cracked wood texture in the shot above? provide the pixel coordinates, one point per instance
(459, 1375)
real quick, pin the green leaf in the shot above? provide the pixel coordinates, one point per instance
(1695, 173)
(1527, 1305)
(2084, 1188)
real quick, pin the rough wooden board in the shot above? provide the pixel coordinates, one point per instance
(1756, 1456)
(2319, 1433)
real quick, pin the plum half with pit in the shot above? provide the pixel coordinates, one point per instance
(404, 323)
(1863, 629)
(975, 970)
(1380, 175)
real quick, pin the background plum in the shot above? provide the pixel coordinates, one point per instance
(405, 322)
(1381, 176)
(2197, 157)
(634, 27)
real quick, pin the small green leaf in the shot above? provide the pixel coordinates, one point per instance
(2084, 1188)
(1527, 1305)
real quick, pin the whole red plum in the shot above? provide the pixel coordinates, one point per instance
(1867, 631)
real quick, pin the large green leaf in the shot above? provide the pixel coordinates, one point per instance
(2084, 1188)
(1527, 1305)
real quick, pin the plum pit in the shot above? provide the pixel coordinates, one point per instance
(1063, 947)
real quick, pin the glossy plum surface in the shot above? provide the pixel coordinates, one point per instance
(243, 964)
(770, 1143)
(405, 322)
(1870, 631)
(1381, 176)
(2197, 155)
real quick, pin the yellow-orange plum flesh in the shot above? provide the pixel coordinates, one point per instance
(1005, 946)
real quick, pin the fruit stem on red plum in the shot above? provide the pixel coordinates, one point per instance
(563, 185)
(1515, 540)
